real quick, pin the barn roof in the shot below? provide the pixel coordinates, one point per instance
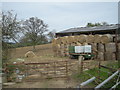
(91, 29)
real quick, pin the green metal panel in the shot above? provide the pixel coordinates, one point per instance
(71, 49)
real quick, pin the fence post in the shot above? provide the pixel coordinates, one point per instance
(66, 69)
(80, 64)
(54, 68)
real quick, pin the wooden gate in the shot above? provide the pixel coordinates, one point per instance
(36, 71)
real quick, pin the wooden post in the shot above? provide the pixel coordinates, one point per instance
(99, 69)
(80, 64)
(54, 69)
(66, 69)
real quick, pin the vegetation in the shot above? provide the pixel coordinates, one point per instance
(16, 33)
(33, 30)
(96, 24)
(10, 28)
(104, 74)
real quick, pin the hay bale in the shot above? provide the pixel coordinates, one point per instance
(30, 54)
(106, 38)
(100, 56)
(97, 38)
(90, 39)
(76, 38)
(118, 55)
(54, 41)
(82, 38)
(85, 44)
(118, 39)
(119, 47)
(113, 56)
(71, 39)
(101, 47)
(108, 55)
(78, 44)
(58, 40)
(94, 47)
(110, 47)
(65, 39)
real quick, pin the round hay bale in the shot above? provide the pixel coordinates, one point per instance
(90, 39)
(106, 38)
(82, 38)
(97, 38)
(101, 47)
(30, 54)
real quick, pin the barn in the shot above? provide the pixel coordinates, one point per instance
(105, 29)
(101, 38)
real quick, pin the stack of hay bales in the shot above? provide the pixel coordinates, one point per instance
(103, 46)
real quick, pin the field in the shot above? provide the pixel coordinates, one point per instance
(44, 53)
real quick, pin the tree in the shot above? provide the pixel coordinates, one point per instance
(10, 28)
(96, 24)
(34, 29)
(51, 35)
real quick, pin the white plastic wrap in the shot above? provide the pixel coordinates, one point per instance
(79, 49)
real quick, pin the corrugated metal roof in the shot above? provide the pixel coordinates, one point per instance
(91, 29)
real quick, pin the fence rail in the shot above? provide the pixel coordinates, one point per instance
(51, 69)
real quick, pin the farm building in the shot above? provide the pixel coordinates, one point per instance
(101, 38)
(106, 29)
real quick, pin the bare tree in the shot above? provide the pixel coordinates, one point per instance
(34, 29)
(10, 28)
(51, 35)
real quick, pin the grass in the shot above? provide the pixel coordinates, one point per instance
(94, 72)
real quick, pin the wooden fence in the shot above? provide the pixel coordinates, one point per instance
(36, 71)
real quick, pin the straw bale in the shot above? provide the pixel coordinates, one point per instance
(119, 47)
(90, 39)
(101, 47)
(30, 54)
(100, 56)
(94, 47)
(108, 55)
(106, 38)
(110, 47)
(97, 38)
(82, 38)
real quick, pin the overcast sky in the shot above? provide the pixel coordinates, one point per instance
(62, 16)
